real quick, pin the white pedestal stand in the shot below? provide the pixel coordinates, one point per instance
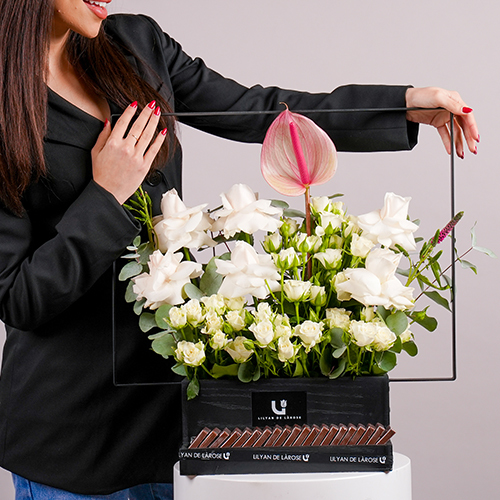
(396, 485)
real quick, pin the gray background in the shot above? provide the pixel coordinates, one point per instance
(448, 429)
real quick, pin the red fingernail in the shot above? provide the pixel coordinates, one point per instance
(478, 138)
(164, 131)
(106, 122)
(475, 151)
(466, 110)
(158, 111)
(134, 104)
(151, 105)
(462, 156)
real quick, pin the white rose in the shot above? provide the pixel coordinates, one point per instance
(384, 338)
(289, 227)
(177, 316)
(368, 314)
(165, 280)
(320, 203)
(189, 353)
(361, 246)
(331, 258)
(337, 281)
(272, 243)
(286, 349)
(243, 212)
(235, 303)
(263, 332)
(296, 290)
(181, 226)
(282, 326)
(218, 341)
(377, 284)
(328, 219)
(247, 273)
(236, 320)
(215, 302)
(318, 296)
(338, 318)
(390, 226)
(310, 333)
(306, 244)
(237, 350)
(363, 333)
(213, 322)
(286, 259)
(194, 312)
(263, 311)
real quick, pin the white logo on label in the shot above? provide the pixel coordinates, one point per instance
(305, 458)
(226, 456)
(283, 403)
(383, 460)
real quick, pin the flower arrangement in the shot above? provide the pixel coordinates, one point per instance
(324, 299)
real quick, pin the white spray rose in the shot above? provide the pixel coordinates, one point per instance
(213, 322)
(165, 280)
(363, 333)
(189, 353)
(361, 246)
(331, 258)
(243, 212)
(318, 296)
(235, 303)
(337, 282)
(407, 335)
(377, 284)
(306, 244)
(218, 341)
(282, 326)
(286, 349)
(384, 338)
(286, 259)
(296, 290)
(236, 320)
(320, 203)
(263, 311)
(263, 332)
(338, 317)
(368, 314)
(215, 302)
(309, 332)
(180, 226)
(194, 312)
(272, 243)
(247, 273)
(237, 350)
(177, 316)
(390, 226)
(329, 221)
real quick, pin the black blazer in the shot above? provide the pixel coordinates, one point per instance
(62, 420)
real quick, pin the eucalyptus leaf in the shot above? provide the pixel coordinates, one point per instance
(397, 322)
(211, 280)
(164, 346)
(397, 346)
(436, 297)
(256, 374)
(326, 361)
(299, 370)
(339, 352)
(192, 291)
(382, 312)
(337, 337)
(387, 361)
(279, 204)
(245, 372)
(159, 334)
(290, 212)
(137, 241)
(422, 319)
(411, 348)
(130, 270)
(193, 389)
(130, 295)
(147, 322)
(145, 250)
(219, 371)
(162, 314)
(179, 369)
(339, 371)
(138, 306)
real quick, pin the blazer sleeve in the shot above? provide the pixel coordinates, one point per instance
(38, 284)
(194, 87)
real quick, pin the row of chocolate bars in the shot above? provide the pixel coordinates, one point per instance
(298, 435)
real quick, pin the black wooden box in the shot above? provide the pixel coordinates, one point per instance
(279, 403)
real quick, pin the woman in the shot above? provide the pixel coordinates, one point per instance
(64, 174)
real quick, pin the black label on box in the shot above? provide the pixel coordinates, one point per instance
(279, 408)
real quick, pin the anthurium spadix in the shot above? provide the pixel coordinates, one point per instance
(297, 154)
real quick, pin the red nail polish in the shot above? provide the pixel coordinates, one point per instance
(465, 109)
(134, 104)
(164, 131)
(106, 122)
(158, 111)
(475, 151)
(151, 105)
(478, 138)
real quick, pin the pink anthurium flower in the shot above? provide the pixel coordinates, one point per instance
(297, 154)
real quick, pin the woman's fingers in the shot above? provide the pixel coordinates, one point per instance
(155, 147)
(123, 122)
(148, 131)
(103, 136)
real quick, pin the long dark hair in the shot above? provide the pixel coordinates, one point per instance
(25, 27)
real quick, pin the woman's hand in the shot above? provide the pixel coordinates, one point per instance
(465, 128)
(119, 163)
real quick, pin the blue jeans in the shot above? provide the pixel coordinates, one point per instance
(29, 490)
